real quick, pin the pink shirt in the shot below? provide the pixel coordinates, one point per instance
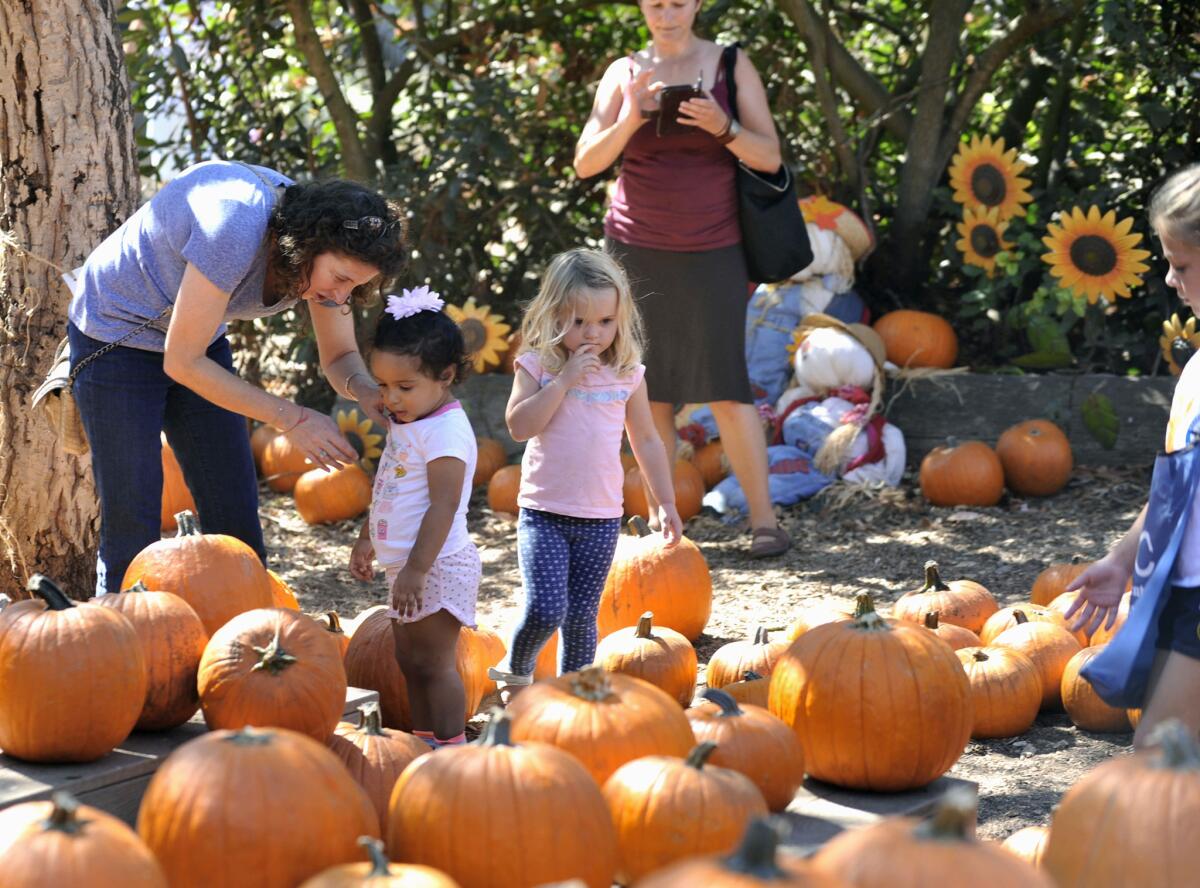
(573, 467)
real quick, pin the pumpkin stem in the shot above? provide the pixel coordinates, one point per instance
(379, 859)
(498, 731)
(1019, 617)
(761, 636)
(644, 625)
(1179, 749)
(335, 622)
(64, 815)
(951, 820)
(188, 525)
(370, 719)
(750, 675)
(591, 683)
(50, 592)
(729, 706)
(933, 579)
(639, 525)
(699, 754)
(755, 856)
(865, 616)
(248, 736)
(931, 620)
(272, 657)
(981, 656)
(139, 586)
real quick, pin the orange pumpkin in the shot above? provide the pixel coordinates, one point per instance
(565, 828)
(281, 593)
(1049, 646)
(259, 439)
(379, 872)
(326, 497)
(733, 660)
(491, 458)
(752, 689)
(332, 623)
(961, 602)
(603, 719)
(273, 667)
(1135, 717)
(1036, 457)
(753, 742)
(73, 678)
(817, 614)
(1006, 688)
(172, 640)
(712, 463)
(1084, 706)
(60, 842)
(283, 463)
(218, 575)
(375, 755)
(673, 582)
(547, 660)
(962, 474)
(955, 636)
(503, 489)
(917, 339)
(655, 654)
(842, 686)
(689, 491)
(206, 828)
(1029, 844)
(1104, 635)
(666, 809)
(1053, 581)
(176, 497)
(1005, 618)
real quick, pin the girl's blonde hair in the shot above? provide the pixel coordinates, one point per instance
(1175, 206)
(550, 315)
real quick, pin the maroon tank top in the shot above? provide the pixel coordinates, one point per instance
(676, 192)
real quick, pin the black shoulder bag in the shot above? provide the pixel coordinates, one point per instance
(774, 236)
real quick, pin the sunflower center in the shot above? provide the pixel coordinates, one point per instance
(988, 185)
(1093, 255)
(474, 334)
(984, 241)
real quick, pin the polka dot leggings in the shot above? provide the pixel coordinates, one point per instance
(564, 562)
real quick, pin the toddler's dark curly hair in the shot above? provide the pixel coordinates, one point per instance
(429, 336)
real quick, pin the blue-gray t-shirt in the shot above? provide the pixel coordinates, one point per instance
(213, 215)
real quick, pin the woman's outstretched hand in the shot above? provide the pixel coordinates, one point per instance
(1100, 589)
(318, 437)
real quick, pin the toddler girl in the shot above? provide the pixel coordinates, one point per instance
(417, 525)
(578, 384)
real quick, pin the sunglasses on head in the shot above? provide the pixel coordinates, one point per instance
(371, 225)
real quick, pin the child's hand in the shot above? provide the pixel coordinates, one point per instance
(407, 592)
(582, 362)
(362, 559)
(670, 523)
(1100, 589)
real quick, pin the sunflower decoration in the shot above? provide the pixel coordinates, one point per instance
(982, 238)
(984, 176)
(1094, 255)
(362, 434)
(484, 333)
(1178, 342)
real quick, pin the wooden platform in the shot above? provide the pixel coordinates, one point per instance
(116, 782)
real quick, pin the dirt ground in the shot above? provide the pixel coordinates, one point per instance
(847, 542)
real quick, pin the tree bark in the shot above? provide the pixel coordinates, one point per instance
(68, 177)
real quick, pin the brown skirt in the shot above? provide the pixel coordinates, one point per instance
(693, 307)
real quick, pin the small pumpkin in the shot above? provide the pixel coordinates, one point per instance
(966, 473)
(259, 439)
(917, 339)
(961, 602)
(689, 491)
(712, 462)
(752, 689)
(176, 497)
(818, 614)
(1029, 844)
(603, 719)
(379, 872)
(753, 742)
(281, 593)
(666, 809)
(1036, 457)
(647, 575)
(1049, 646)
(375, 755)
(283, 463)
(655, 654)
(1084, 706)
(1006, 688)
(273, 667)
(332, 623)
(172, 640)
(56, 842)
(326, 497)
(490, 459)
(1005, 618)
(733, 660)
(503, 488)
(955, 636)
(1053, 581)
(218, 575)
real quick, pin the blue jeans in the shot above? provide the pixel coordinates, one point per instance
(125, 400)
(564, 562)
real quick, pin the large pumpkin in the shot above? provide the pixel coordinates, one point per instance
(961, 602)
(282, 595)
(1006, 688)
(647, 575)
(753, 742)
(503, 488)
(1006, 618)
(818, 614)
(1131, 820)
(172, 639)
(491, 457)
(1029, 844)
(61, 843)
(283, 463)
(176, 497)
(563, 830)
(753, 689)
(655, 654)
(917, 339)
(262, 807)
(603, 719)
(379, 872)
(1053, 581)
(218, 575)
(375, 755)
(730, 662)
(962, 474)
(1049, 646)
(72, 679)
(326, 497)
(665, 809)
(956, 636)
(689, 491)
(877, 705)
(1083, 704)
(273, 667)
(1036, 457)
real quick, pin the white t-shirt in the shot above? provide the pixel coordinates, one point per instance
(401, 494)
(1185, 404)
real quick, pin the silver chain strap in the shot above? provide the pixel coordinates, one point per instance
(110, 346)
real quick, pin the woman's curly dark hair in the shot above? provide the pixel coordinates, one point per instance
(310, 220)
(429, 336)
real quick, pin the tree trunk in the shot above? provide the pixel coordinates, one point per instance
(68, 177)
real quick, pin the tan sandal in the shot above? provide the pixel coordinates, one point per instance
(767, 542)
